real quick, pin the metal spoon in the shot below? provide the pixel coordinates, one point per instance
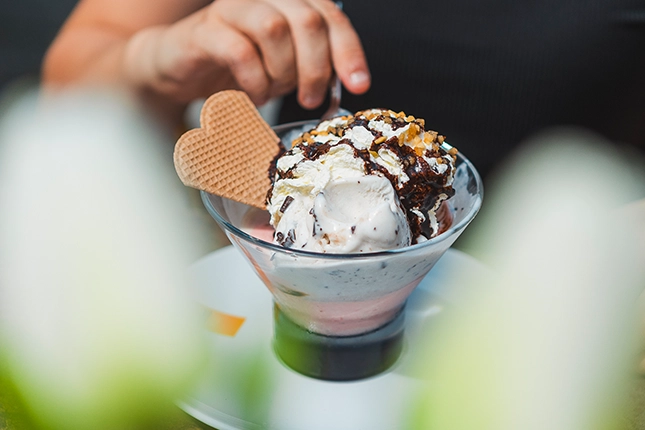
(335, 91)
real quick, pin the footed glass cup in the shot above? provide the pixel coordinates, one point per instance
(340, 316)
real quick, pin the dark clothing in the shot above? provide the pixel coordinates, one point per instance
(27, 27)
(488, 73)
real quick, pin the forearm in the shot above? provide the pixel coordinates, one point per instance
(114, 43)
(85, 55)
(97, 57)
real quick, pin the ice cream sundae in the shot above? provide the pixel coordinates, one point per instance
(347, 222)
(367, 182)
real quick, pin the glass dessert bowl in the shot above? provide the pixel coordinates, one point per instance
(340, 316)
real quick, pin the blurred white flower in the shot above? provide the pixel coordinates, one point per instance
(548, 342)
(95, 323)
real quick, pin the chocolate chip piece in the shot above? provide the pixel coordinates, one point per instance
(286, 204)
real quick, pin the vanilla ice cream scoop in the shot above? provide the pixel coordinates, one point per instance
(367, 182)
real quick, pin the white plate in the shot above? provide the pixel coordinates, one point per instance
(247, 387)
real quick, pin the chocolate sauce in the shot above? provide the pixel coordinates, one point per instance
(422, 190)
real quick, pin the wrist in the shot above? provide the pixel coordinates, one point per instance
(143, 75)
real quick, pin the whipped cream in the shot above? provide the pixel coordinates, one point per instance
(361, 183)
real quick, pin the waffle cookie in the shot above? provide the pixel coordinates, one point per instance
(231, 153)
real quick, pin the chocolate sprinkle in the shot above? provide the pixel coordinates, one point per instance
(286, 203)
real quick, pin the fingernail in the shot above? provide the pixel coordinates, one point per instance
(359, 78)
(311, 101)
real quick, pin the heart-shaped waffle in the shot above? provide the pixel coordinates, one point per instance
(231, 153)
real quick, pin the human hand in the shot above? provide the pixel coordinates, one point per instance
(263, 47)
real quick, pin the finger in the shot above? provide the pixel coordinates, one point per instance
(347, 51)
(311, 42)
(231, 48)
(269, 30)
